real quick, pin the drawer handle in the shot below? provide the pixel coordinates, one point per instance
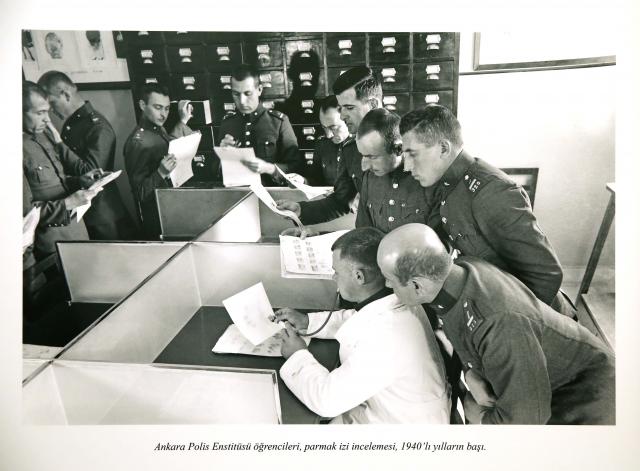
(147, 56)
(304, 47)
(306, 78)
(433, 41)
(345, 46)
(268, 104)
(388, 45)
(389, 102)
(223, 53)
(185, 54)
(433, 72)
(389, 75)
(431, 98)
(265, 80)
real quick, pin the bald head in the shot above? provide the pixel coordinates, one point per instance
(414, 262)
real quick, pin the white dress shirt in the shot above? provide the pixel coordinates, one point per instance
(391, 369)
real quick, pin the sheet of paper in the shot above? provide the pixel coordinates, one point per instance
(262, 193)
(232, 341)
(108, 178)
(309, 257)
(234, 172)
(80, 211)
(29, 224)
(309, 191)
(184, 148)
(250, 311)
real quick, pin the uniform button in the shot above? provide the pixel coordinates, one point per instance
(255, 114)
(465, 304)
(324, 166)
(440, 306)
(444, 220)
(395, 185)
(417, 210)
(402, 205)
(446, 184)
(353, 175)
(450, 237)
(247, 143)
(338, 159)
(466, 177)
(369, 205)
(249, 123)
(68, 127)
(391, 219)
(442, 203)
(248, 133)
(392, 202)
(469, 365)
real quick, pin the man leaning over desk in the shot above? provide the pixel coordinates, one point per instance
(391, 370)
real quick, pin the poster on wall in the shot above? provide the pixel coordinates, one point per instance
(85, 56)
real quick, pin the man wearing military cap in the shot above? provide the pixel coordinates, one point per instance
(480, 211)
(358, 92)
(88, 133)
(145, 154)
(525, 363)
(268, 132)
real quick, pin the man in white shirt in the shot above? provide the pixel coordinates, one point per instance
(391, 370)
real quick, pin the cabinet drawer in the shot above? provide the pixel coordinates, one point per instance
(190, 86)
(186, 58)
(221, 85)
(308, 84)
(344, 49)
(394, 77)
(201, 113)
(398, 103)
(272, 83)
(223, 56)
(182, 37)
(441, 97)
(145, 59)
(301, 112)
(221, 108)
(142, 79)
(264, 54)
(307, 135)
(428, 46)
(310, 49)
(389, 48)
(433, 75)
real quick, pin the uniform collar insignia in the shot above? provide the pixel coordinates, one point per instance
(457, 170)
(255, 114)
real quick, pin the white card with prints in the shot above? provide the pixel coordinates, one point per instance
(184, 149)
(262, 193)
(232, 341)
(309, 191)
(309, 256)
(29, 224)
(250, 311)
(234, 172)
(108, 178)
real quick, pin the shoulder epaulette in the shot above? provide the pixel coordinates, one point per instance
(137, 136)
(277, 114)
(229, 115)
(472, 182)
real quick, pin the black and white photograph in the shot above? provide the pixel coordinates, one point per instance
(236, 239)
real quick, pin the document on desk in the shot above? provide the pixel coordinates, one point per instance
(184, 149)
(232, 341)
(309, 191)
(307, 258)
(234, 172)
(250, 310)
(262, 193)
(29, 224)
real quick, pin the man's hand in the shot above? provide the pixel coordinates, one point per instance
(291, 342)
(229, 141)
(260, 166)
(56, 135)
(297, 232)
(298, 320)
(296, 178)
(91, 177)
(185, 110)
(473, 411)
(80, 198)
(167, 164)
(480, 389)
(286, 205)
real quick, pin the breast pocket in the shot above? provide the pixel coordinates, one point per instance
(412, 210)
(39, 173)
(469, 241)
(268, 150)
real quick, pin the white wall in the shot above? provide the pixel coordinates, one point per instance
(562, 121)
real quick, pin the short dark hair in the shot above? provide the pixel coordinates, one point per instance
(148, 88)
(363, 80)
(387, 124)
(52, 78)
(328, 102)
(244, 71)
(429, 262)
(433, 123)
(28, 89)
(360, 245)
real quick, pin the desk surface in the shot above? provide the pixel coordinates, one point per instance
(193, 344)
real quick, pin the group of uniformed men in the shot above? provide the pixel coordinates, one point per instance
(437, 230)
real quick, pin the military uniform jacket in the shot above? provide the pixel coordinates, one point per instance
(392, 200)
(481, 212)
(50, 170)
(270, 134)
(543, 367)
(345, 189)
(324, 169)
(91, 137)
